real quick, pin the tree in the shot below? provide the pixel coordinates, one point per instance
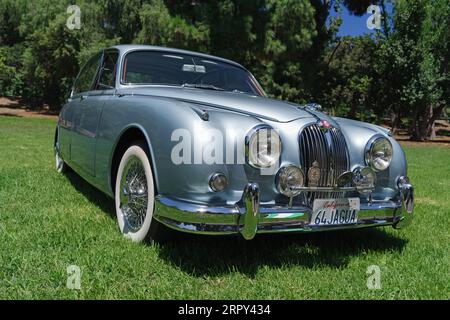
(159, 27)
(434, 77)
(50, 64)
(350, 78)
(413, 62)
(290, 45)
(282, 42)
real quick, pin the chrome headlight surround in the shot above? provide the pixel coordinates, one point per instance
(262, 147)
(289, 180)
(378, 153)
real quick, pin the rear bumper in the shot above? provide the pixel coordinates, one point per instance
(248, 217)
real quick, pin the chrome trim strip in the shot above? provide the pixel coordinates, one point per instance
(332, 189)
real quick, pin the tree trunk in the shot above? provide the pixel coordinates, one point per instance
(395, 121)
(432, 132)
(353, 108)
(415, 135)
(424, 123)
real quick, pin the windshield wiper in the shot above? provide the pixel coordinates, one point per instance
(202, 86)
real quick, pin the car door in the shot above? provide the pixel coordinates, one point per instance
(65, 126)
(86, 114)
(89, 110)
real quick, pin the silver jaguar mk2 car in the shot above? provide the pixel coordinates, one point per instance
(191, 142)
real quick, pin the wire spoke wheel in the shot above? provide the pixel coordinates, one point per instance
(134, 193)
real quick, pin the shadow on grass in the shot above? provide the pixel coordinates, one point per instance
(212, 256)
(215, 255)
(101, 200)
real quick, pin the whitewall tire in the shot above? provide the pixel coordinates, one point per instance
(60, 165)
(135, 193)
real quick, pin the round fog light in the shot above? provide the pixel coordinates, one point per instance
(218, 182)
(364, 179)
(290, 180)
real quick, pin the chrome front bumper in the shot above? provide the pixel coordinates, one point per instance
(248, 217)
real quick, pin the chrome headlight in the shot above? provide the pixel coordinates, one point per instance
(379, 153)
(289, 180)
(263, 147)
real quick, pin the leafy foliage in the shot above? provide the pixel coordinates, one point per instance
(290, 45)
(415, 63)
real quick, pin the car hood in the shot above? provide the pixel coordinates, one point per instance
(261, 107)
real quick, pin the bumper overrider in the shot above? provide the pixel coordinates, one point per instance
(249, 217)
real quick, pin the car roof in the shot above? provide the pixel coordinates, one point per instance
(125, 48)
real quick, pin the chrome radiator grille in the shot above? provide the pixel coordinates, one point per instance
(326, 150)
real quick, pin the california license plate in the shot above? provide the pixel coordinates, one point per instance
(330, 212)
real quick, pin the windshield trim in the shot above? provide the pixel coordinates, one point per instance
(161, 85)
(259, 90)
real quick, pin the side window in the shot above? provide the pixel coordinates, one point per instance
(86, 76)
(108, 71)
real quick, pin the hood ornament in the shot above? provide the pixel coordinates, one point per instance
(313, 106)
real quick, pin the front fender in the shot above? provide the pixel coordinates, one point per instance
(357, 135)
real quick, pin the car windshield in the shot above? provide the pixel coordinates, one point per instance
(173, 69)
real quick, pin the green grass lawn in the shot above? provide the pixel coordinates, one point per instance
(50, 221)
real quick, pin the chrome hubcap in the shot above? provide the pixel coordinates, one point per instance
(133, 193)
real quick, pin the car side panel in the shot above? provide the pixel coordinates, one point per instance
(84, 133)
(158, 118)
(65, 125)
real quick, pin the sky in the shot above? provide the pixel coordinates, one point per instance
(353, 25)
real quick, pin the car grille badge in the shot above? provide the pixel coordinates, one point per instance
(314, 174)
(324, 125)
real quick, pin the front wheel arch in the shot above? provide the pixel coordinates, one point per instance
(126, 138)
